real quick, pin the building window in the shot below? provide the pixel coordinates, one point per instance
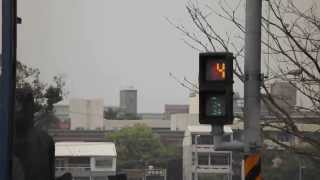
(80, 162)
(100, 178)
(203, 159)
(193, 137)
(104, 163)
(193, 158)
(206, 139)
(220, 159)
(226, 138)
(203, 139)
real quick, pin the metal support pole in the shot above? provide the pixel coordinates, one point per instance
(196, 158)
(217, 133)
(7, 86)
(252, 69)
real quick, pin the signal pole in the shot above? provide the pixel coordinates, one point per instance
(7, 86)
(252, 69)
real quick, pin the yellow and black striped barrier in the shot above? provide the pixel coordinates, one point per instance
(252, 167)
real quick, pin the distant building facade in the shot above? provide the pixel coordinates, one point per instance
(86, 114)
(170, 109)
(129, 101)
(176, 108)
(201, 160)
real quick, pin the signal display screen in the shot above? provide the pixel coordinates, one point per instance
(215, 105)
(215, 71)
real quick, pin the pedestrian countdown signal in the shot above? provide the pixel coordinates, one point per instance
(215, 88)
(216, 71)
(215, 106)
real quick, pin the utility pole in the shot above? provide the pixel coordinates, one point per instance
(7, 85)
(252, 69)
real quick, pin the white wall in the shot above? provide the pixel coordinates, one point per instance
(86, 114)
(180, 122)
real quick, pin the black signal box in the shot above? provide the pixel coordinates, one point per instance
(216, 88)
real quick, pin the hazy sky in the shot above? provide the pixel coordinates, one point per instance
(104, 45)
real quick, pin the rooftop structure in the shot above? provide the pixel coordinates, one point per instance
(176, 108)
(86, 160)
(85, 149)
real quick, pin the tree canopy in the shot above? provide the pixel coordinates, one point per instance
(138, 147)
(45, 95)
(290, 48)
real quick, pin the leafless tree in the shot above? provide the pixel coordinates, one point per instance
(290, 41)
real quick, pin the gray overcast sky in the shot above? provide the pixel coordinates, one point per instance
(103, 45)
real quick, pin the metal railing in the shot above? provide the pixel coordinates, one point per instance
(73, 168)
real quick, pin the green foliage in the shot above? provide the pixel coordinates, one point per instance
(45, 96)
(111, 113)
(138, 147)
(117, 114)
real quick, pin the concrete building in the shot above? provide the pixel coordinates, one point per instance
(86, 114)
(171, 109)
(79, 114)
(200, 159)
(128, 101)
(176, 108)
(86, 160)
(306, 124)
(180, 122)
(167, 137)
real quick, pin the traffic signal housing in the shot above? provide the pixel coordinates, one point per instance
(216, 88)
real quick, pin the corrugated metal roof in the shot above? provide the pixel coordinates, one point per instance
(87, 149)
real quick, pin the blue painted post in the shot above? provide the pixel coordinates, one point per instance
(7, 86)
